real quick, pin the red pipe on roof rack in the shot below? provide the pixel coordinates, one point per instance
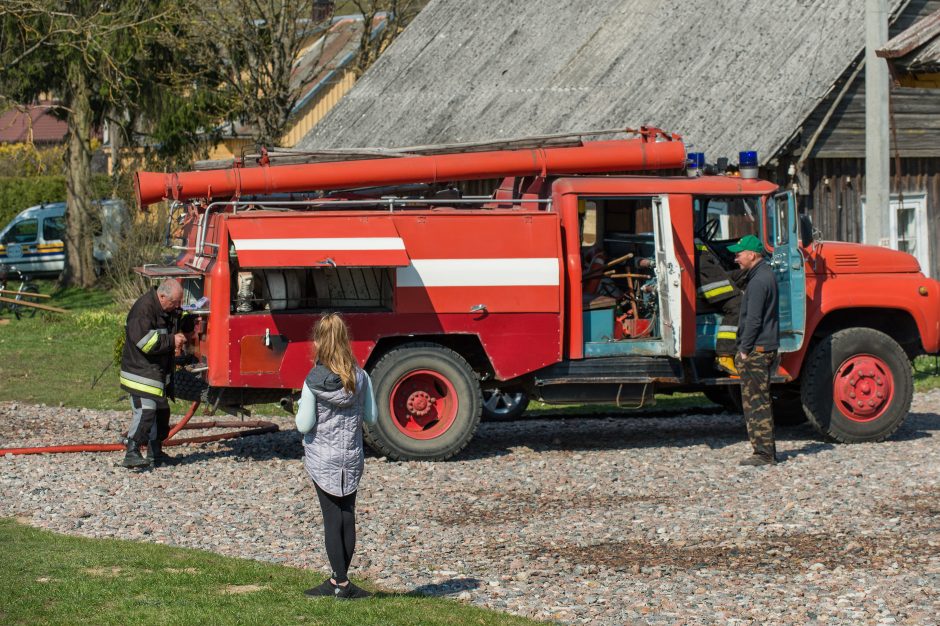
(618, 155)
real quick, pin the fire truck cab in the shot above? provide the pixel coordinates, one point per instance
(568, 284)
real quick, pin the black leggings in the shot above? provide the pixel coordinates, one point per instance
(339, 529)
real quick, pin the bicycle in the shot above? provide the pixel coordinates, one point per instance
(22, 293)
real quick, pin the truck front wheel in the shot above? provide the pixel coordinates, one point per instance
(857, 386)
(429, 403)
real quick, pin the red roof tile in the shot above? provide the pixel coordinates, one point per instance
(18, 123)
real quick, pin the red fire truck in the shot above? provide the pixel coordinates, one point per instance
(573, 281)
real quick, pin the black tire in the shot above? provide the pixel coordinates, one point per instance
(787, 405)
(822, 374)
(727, 396)
(385, 436)
(21, 311)
(503, 405)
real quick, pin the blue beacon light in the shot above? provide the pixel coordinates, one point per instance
(747, 164)
(695, 163)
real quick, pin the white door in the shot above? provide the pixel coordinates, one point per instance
(668, 278)
(909, 228)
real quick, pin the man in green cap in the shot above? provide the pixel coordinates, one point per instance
(758, 341)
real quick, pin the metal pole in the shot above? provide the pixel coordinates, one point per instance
(877, 144)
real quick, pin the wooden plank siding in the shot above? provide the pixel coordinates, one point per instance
(916, 114)
(838, 185)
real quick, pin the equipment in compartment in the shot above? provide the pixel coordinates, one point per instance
(295, 289)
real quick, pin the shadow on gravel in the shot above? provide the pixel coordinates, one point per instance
(283, 444)
(558, 433)
(917, 426)
(448, 587)
(593, 434)
(786, 554)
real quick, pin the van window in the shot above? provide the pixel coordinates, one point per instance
(22, 232)
(53, 228)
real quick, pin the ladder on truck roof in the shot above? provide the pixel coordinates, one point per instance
(289, 156)
(389, 204)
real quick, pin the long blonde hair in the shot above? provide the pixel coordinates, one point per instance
(333, 350)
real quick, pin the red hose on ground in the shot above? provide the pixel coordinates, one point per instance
(257, 427)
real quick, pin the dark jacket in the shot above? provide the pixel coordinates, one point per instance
(147, 360)
(758, 325)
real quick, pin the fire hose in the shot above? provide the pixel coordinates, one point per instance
(255, 427)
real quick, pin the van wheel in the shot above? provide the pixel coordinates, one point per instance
(429, 403)
(857, 386)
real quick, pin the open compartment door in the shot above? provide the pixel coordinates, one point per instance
(789, 271)
(668, 278)
(335, 242)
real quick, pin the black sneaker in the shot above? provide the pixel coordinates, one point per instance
(349, 592)
(323, 589)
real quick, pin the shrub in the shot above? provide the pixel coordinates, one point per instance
(18, 193)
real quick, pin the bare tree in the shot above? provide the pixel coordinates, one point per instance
(398, 14)
(258, 43)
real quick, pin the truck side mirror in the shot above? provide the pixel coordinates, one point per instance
(806, 230)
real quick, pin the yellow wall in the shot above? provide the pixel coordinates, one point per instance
(926, 81)
(301, 123)
(318, 107)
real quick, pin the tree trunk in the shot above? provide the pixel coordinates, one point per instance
(79, 262)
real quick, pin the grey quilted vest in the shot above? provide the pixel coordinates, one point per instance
(333, 450)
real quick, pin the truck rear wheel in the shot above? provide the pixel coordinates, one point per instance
(726, 396)
(857, 386)
(429, 403)
(500, 405)
(787, 405)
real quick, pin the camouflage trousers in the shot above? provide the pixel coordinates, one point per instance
(755, 373)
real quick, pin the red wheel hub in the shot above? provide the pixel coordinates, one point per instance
(423, 404)
(863, 387)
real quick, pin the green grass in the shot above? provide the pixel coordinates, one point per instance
(53, 358)
(926, 373)
(49, 578)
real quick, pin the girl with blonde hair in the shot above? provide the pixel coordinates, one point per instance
(336, 398)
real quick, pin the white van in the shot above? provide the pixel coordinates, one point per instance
(32, 241)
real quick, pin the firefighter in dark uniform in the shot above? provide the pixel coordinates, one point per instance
(152, 340)
(758, 341)
(716, 290)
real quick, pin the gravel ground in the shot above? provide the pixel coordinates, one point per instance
(602, 521)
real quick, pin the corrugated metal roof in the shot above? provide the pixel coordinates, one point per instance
(726, 75)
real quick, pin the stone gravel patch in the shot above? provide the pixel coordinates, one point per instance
(583, 520)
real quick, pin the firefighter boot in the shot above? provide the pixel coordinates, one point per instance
(155, 454)
(132, 457)
(725, 362)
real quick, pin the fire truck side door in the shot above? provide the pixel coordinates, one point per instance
(668, 278)
(789, 270)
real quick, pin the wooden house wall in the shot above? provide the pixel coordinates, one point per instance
(838, 185)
